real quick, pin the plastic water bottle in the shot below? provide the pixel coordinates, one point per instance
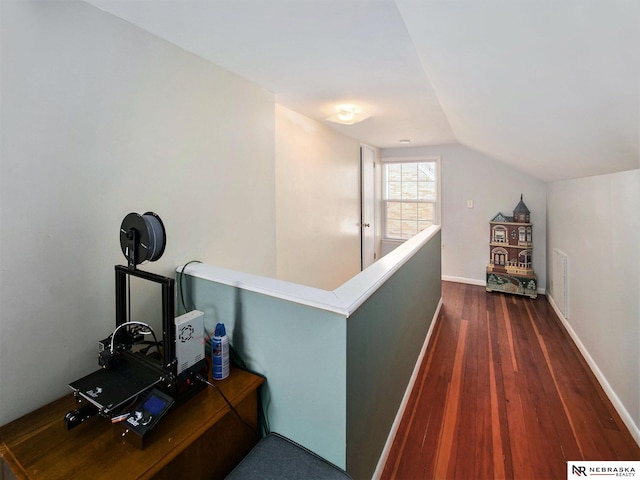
(220, 353)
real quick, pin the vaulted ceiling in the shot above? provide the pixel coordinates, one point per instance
(550, 87)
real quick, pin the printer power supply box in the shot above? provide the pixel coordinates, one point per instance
(189, 339)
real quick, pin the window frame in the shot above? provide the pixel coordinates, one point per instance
(437, 210)
(496, 238)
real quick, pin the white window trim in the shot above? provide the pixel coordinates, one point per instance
(438, 203)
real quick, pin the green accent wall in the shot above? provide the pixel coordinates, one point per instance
(384, 339)
(337, 363)
(299, 349)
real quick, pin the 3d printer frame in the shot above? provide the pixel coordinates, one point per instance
(168, 309)
(125, 375)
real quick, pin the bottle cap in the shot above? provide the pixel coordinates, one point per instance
(220, 330)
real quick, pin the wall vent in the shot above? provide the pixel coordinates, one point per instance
(559, 279)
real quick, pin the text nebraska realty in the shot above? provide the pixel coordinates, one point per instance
(613, 471)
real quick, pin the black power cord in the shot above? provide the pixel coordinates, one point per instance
(204, 380)
(234, 357)
(184, 306)
(238, 362)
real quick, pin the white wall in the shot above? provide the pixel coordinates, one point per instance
(596, 222)
(493, 187)
(317, 202)
(100, 119)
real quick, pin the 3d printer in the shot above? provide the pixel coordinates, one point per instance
(133, 385)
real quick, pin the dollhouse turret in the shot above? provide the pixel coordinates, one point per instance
(510, 266)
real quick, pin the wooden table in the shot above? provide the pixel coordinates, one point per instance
(202, 438)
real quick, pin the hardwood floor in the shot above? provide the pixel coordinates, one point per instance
(503, 393)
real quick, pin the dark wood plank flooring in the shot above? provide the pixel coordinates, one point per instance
(503, 392)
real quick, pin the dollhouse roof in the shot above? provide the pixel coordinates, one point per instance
(501, 218)
(521, 208)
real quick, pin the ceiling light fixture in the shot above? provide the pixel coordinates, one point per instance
(347, 114)
(404, 141)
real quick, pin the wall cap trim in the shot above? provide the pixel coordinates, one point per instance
(344, 300)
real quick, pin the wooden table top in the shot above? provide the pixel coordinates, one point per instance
(37, 445)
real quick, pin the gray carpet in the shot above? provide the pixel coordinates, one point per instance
(278, 458)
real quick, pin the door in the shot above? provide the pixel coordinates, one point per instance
(367, 205)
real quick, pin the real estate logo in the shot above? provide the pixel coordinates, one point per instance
(607, 469)
(579, 470)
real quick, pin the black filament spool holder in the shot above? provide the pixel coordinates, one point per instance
(142, 238)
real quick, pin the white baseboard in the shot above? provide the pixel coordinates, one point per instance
(405, 399)
(473, 281)
(468, 281)
(617, 404)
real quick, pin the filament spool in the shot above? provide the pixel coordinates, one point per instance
(142, 238)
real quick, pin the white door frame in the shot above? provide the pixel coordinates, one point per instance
(367, 206)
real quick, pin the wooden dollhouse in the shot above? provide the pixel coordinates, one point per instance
(510, 266)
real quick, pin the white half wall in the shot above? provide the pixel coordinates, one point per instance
(317, 202)
(596, 222)
(99, 119)
(493, 187)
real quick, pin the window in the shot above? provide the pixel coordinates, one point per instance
(499, 234)
(410, 197)
(525, 259)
